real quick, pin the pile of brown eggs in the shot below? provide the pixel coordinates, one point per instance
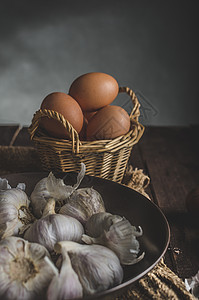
(87, 107)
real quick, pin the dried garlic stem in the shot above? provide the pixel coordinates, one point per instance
(49, 209)
(66, 245)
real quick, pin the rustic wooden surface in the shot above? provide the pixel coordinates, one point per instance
(170, 156)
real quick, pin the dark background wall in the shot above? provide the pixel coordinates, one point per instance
(150, 46)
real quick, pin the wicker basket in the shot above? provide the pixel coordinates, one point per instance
(103, 158)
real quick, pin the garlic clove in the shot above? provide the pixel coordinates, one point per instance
(97, 267)
(66, 284)
(82, 204)
(14, 211)
(121, 239)
(52, 187)
(52, 228)
(24, 274)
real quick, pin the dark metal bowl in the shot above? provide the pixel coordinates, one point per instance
(126, 202)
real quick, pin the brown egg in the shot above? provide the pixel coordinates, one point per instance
(68, 107)
(192, 201)
(94, 90)
(108, 123)
(89, 114)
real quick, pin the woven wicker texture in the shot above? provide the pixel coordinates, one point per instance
(159, 284)
(103, 158)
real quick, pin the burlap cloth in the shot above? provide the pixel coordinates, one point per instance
(161, 282)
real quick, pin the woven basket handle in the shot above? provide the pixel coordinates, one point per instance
(59, 117)
(135, 113)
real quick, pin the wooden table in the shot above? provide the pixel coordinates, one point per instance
(170, 157)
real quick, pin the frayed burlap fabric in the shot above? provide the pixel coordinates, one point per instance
(161, 282)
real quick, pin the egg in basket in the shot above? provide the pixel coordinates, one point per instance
(84, 126)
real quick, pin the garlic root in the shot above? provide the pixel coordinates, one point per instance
(24, 273)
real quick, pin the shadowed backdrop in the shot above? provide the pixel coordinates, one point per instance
(149, 46)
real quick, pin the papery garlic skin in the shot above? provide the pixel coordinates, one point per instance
(66, 284)
(48, 187)
(4, 185)
(120, 238)
(98, 267)
(52, 228)
(24, 274)
(192, 285)
(14, 211)
(52, 187)
(82, 204)
(99, 222)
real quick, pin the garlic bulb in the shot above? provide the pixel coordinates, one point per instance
(24, 274)
(66, 284)
(97, 267)
(14, 211)
(82, 204)
(121, 238)
(52, 228)
(51, 187)
(99, 222)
